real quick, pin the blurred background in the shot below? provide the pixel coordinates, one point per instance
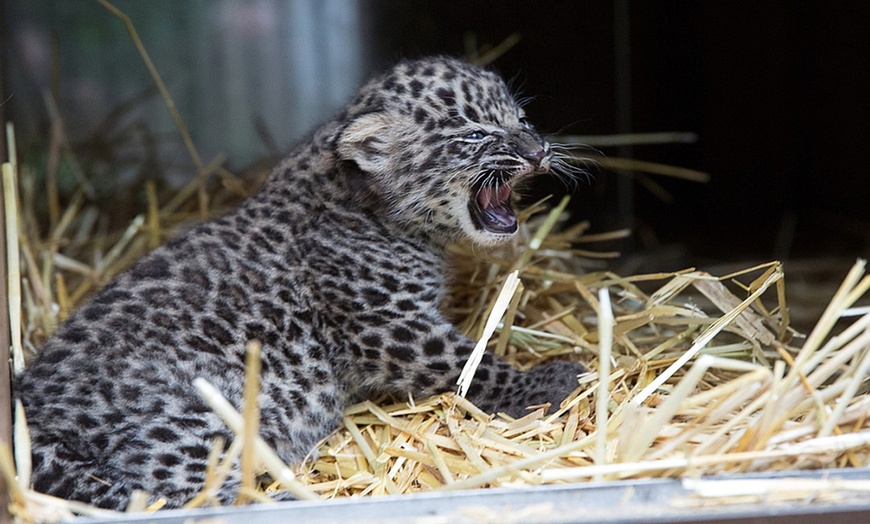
(774, 93)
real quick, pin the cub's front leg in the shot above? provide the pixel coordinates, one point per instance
(422, 354)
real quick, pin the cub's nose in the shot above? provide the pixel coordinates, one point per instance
(534, 155)
(529, 148)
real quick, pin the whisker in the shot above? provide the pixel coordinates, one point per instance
(565, 169)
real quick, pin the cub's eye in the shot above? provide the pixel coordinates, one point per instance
(525, 123)
(475, 135)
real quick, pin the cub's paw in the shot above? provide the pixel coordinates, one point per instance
(548, 383)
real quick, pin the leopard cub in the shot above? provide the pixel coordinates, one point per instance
(337, 266)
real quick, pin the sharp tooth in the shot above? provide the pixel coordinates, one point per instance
(504, 193)
(485, 197)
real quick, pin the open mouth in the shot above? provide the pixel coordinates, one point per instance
(490, 205)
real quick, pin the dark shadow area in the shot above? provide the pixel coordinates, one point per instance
(775, 92)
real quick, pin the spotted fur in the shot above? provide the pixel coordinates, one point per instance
(336, 266)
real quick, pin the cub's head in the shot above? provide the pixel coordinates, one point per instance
(445, 141)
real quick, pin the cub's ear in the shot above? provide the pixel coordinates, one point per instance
(366, 141)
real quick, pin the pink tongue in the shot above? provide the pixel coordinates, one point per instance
(491, 198)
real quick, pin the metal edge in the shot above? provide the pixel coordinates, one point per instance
(629, 502)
